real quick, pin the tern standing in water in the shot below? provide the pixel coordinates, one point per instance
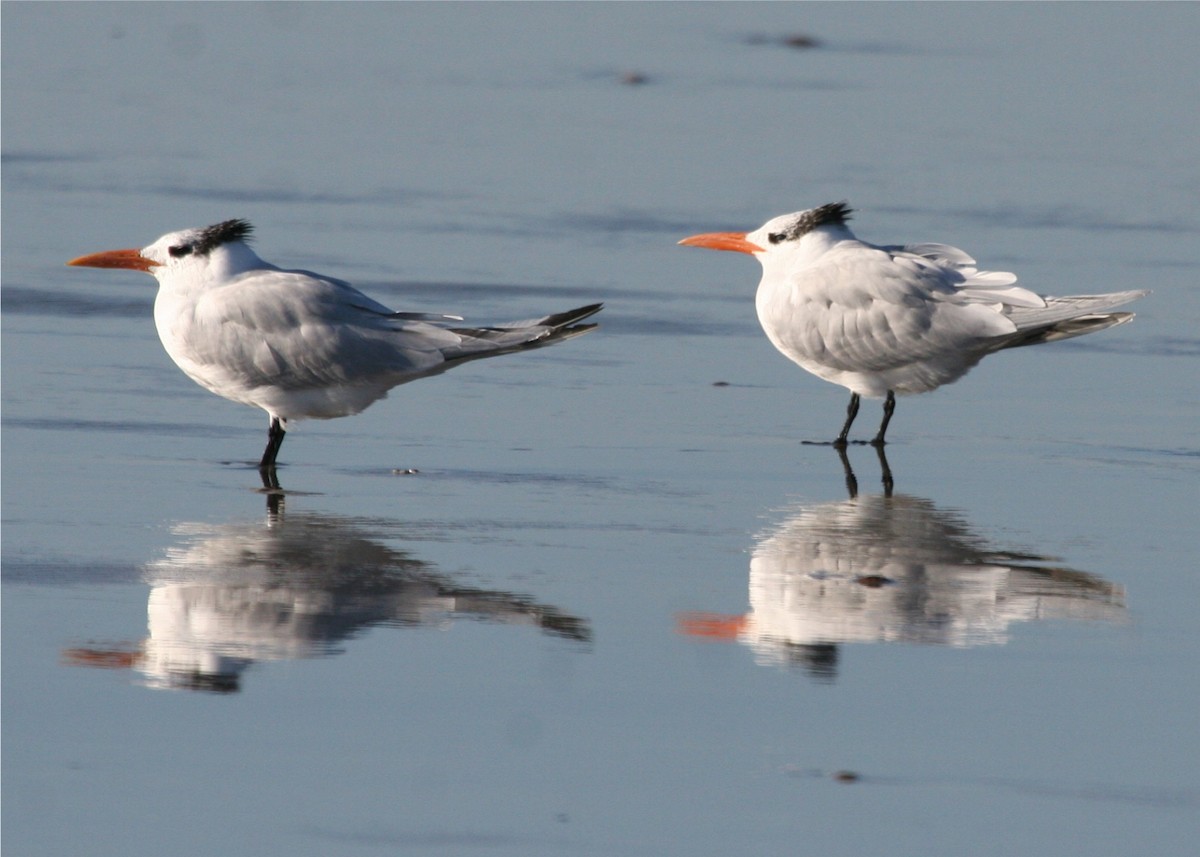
(894, 320)
(301, 345)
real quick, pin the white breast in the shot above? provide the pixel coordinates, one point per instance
(875, 319)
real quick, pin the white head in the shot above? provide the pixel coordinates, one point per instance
(205, 254)
(783, 240)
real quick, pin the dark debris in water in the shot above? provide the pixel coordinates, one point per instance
(1113, 793)
(842, 775)
(798, 41)
(801, 41)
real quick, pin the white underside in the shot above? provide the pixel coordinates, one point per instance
(906, 320)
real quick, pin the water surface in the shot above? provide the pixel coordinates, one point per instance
(618, 608)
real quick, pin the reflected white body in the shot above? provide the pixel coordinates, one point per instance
(297, 586)
(885, 569)
(900, 569)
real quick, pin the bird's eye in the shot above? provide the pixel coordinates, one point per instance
(180, 250)
(775, 237)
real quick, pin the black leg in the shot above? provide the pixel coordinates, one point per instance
(274, 440)
(889, 405)
(851, 413)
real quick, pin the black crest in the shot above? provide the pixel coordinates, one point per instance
(211, 237)
(832, 212)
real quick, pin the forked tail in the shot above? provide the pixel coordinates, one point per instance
(1066, 318)
(521, 335)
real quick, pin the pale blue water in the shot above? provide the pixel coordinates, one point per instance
(619, 609)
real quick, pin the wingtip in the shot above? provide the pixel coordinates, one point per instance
(573, 316)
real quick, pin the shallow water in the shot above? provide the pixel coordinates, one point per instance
(618, 608)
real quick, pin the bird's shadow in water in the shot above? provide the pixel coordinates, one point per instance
(297, 585)
(892, 568)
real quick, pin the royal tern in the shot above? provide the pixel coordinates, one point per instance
(301, 345)
(894, 320)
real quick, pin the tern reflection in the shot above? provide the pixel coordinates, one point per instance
(294, 586)
(893, 568)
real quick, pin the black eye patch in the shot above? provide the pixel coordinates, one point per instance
(776, 237)
(180, 250)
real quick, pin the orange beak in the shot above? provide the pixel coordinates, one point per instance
(132, 259)
(722, 241)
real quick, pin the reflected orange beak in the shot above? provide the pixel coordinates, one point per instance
(106, 659)
(714, 626)
(722, 241)
(132, 259)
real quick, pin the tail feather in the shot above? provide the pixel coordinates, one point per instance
(1068, 317)
(520, 335)
(556, 320)
(1067, 308)
(1067, 329)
